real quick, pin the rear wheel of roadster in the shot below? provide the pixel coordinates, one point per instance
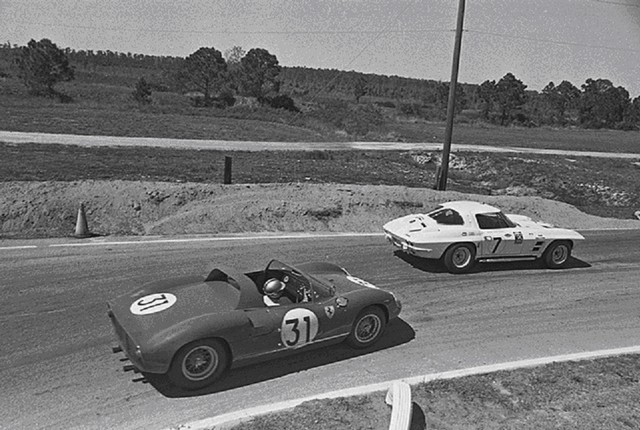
(367, 328)
(198, 364)
(557, 254)
(459, 258)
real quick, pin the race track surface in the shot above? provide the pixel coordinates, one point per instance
(57, 369)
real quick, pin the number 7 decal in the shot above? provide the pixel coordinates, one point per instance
(498, 241)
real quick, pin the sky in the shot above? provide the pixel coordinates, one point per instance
(539, 41)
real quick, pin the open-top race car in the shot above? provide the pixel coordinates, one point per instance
(193, 329)
(463, 232)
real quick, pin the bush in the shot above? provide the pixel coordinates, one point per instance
(142, 92)
(282, 101)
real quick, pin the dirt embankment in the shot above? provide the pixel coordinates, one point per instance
(49, 209)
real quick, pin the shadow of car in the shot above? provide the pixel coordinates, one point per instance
(398, 332)
(437, 266)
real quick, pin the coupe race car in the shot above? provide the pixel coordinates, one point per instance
(194, 329)
(463, 232)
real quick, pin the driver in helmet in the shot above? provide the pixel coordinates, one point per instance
(273, 290)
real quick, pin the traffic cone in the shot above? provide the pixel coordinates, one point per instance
(82, 230)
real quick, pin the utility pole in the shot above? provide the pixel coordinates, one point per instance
(441, 184)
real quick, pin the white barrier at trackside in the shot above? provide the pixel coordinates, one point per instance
(399, 398)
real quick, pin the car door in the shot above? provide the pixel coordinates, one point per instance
(499, 239)
(504, 243)
(288, 326)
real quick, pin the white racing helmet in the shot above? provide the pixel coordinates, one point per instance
(274, 288)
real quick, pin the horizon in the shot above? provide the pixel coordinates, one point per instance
(541, 42)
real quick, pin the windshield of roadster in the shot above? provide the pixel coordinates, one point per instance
(299, 280)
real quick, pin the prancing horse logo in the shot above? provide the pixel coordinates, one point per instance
(330, 311)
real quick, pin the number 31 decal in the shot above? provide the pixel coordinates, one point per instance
(152, 303)
(299, 327)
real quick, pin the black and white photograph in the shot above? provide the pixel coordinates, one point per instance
(320, 214)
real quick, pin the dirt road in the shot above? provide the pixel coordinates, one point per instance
(22, 137)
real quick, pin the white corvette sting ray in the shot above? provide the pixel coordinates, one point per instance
(464, 232)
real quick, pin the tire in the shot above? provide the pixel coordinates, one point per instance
(460, 258)
(199, 364)
(367, 328)
(557, 254)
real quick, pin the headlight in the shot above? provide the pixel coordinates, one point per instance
(395, 299)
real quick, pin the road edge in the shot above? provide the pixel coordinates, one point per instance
(227, 420)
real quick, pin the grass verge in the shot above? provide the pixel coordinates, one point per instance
(595, 394)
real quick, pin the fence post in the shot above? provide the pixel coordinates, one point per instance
(227, 170)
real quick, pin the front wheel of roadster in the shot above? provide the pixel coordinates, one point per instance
(367, 328)
(198, 364)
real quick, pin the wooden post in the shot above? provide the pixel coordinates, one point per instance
(441, 183)
(227, 170)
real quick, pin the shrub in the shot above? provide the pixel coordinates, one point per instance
(282, 101)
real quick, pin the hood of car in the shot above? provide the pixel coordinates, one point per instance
(344, 283)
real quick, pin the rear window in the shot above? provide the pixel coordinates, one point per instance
(447, 216)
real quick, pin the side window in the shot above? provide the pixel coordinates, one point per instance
(447, 217)
(491, 221)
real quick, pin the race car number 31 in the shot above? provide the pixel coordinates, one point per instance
(299, 327)
(152, 303)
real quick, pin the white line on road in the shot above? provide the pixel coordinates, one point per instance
(143, 241)
(2, 248)
(232, 418)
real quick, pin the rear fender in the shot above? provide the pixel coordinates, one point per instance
(201, 328)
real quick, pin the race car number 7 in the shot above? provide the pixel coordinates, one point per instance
(299, 327)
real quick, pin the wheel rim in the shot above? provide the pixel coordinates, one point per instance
(200, 363)
(368, 328)
(560, 254)
(461, 257)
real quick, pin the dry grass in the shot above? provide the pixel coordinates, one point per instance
(104, 109)
(597, 394)
(602, 187)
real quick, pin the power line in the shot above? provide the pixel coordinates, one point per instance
(555, 42)
(380, 32)
(260, 32)
(616, 3)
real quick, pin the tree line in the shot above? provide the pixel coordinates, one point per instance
(210, 78)
(214, 78)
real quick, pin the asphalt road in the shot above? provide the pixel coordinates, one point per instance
(57, 369)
